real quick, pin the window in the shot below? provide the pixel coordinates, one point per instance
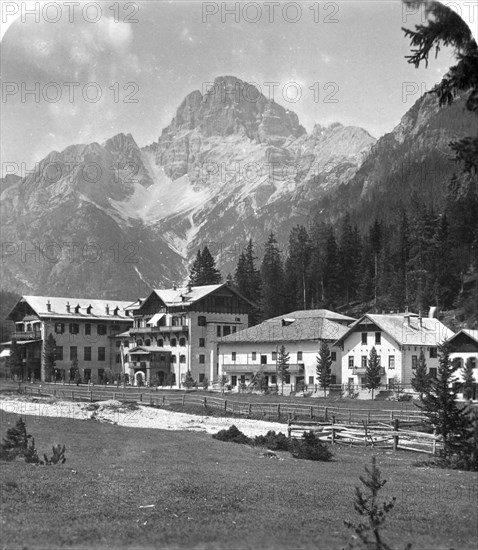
(433, 353)
(364, 361)
(457, 363)
(234, 381)
(233, 355)
(263, 359)
(87, 329)
(226, 331)
(74, 328)
(202, 359)
(299, 356)
(87, 353)
(273, 379)
(126, 344)
(433, 372)
(160, 343)
(351, 362)
(414, 361)
(182, 359)
(234, 329)
(287, 379)
(311, 380)
(391, 361)
(254, 356)
(364, 338)
(59, 353)
(139, 342)
(333, 355)
(101, 353)
(147, 342)
(378, 338)
(59, 328)
(118, 358)
(201, 377)
(101, 330)
(173, 359)
(73, 353)
(201, 321)
(333, 379)
(274, 355)
(218, 330)
(202, 342)
(118, 343)
(182, 342)
(175, 321)
(173, 342)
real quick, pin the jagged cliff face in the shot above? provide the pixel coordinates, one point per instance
(226, 169)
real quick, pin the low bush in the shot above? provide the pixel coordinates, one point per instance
(19, 445)
(232, 435)
(273, 441)
(310, 448)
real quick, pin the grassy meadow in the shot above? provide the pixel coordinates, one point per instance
(142, 488)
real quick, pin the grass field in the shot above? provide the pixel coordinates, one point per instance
(209, 494)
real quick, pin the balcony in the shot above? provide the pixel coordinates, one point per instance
(149, 365)
(28, 335)
(294, 368)
(153, 330)
(363, 370)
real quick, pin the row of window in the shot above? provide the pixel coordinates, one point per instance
(74, 328)
(225, 330)
(364, 361)
(274, 354)
(87, 355)
(160, 342)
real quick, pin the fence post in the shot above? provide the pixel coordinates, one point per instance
(205, 402)
(333, 429)
(289, 431)
(141, 397)
(114, 395)
(72, 395)
(225, 405)
(311, 413)
(350, 416)
(395, 435)
(368, 416)
(162, 399)
(326, 413)
(249, 410)
(434, 446)
(184, 399)
(91, 396)
(391, 417)
(278, 411)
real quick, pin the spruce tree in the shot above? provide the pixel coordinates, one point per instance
(372, 374)
(49, 356)
(247, 279)
(282, 366)
(272, 276)
(440, 406)
(296, 269)
(203, 270)
(468, 379)
(421, 379)
(332, 271)
(324, 367)
(348, 261)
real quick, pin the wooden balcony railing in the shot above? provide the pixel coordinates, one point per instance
(28, 335)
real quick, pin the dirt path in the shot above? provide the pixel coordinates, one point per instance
(143, 417)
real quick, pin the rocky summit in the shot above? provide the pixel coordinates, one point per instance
(114, 219)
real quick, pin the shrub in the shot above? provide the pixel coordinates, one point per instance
(58, 456)
(310, 448)
(205, 384)
(233, 435)
(273, 441)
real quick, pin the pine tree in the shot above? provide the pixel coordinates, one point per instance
(332, 271)
(15, 361)
(49, 356)
(203, 270)
(372, 374)
(468, 379)
(324, 367)
(282, 366)
(440, 406)
(296, 269)
(272, 276)
(421, 380)
(189, 381)
(247, 279)
(348, 261)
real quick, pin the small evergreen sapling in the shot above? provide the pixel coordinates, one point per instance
(373, 375)
(468, 379)
(189, 380)
(373, 512)
(324, 367)
(282, 366)
(421, 380)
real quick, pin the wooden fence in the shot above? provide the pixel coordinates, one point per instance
(231, 407)
(379, 435)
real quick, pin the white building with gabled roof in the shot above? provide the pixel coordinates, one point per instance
(244, 354)
(83, 329)
(398, 340)
(464, 347)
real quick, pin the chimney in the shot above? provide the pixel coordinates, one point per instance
(432, 312)
(107, 309)
(175, 286)
(48, 306)
(190, 288)
(68, 307)
(420, 318)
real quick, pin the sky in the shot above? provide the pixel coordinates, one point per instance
(96, 69)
